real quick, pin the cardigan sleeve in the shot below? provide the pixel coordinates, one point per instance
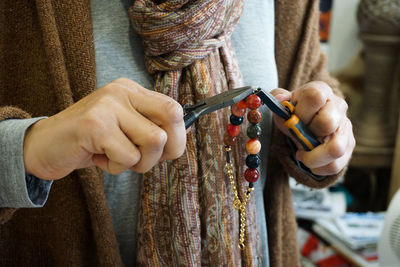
(309, 64)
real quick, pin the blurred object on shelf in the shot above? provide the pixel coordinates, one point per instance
(318, 253)
(325, 7)
(375, 122)
(313, 204)
(353, 236)
(365, 257)
(355, 230)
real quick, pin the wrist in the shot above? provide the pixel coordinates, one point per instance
(32, 140)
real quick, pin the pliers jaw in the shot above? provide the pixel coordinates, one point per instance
(211, 104)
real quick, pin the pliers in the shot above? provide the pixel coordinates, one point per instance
(208, 105)
(284, 110)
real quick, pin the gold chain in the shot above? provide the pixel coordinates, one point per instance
(237, 203)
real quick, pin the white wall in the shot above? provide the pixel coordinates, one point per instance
(344, 43)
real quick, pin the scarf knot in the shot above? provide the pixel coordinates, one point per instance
(177, 33)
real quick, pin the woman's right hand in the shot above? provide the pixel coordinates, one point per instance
(118, 127)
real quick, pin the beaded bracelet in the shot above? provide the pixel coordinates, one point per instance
(253, 147)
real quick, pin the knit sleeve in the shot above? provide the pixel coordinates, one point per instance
(309, 65)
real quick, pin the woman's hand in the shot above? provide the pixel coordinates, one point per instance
(118, 127)
(324, 113)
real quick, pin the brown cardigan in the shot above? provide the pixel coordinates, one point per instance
(47, 63)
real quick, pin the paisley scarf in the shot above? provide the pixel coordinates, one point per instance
(186, 216)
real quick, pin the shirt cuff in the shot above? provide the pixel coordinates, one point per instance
(18, 189)
(300, 164)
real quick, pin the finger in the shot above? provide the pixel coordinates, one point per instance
(163, 111)
(281, 94)
(334, 167)
(310, 98)
(104, 163)
(147, 136)
(119, 153)
(334, 148)
(328, 118)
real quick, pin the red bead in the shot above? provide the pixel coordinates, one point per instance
(254, 116)
(253, 146)
(237, 111)
(242, 104)
(229, 140)
(232, 130)
(251, 175)
(253, 102)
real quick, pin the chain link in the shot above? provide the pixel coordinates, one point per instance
(237, 203)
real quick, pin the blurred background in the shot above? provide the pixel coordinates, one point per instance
(357, 221)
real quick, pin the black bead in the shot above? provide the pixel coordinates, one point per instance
(236, 120)
(253, 131)
(253, 161)
(251, 185)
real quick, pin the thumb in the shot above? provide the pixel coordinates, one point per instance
(282, 95)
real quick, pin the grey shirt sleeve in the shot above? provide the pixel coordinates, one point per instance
(18, 189)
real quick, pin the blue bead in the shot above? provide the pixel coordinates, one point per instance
(236, 120)
(253, 161)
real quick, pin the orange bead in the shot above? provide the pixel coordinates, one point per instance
(253, 146)
(237, 111)
(253, 102)
(242, 104)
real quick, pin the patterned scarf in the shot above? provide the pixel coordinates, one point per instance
(186, 216)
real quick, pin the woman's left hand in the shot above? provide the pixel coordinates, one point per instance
(324, 113)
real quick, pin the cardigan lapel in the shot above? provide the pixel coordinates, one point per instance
(68, 41)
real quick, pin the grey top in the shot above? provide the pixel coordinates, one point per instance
(14, 184)
(119, 53)
(115, 40)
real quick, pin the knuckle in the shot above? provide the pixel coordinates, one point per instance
(343, 104)
(176, 153)
(325, 125)
(333, 168)
(353, 142)
(92, 119)
(113, 89)
(336, 149)
(133, 159)
(320, 85)
(122, 80)
(126, 84)
(314, 96)
(157, 137)
(109, 88)
(174, 111)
